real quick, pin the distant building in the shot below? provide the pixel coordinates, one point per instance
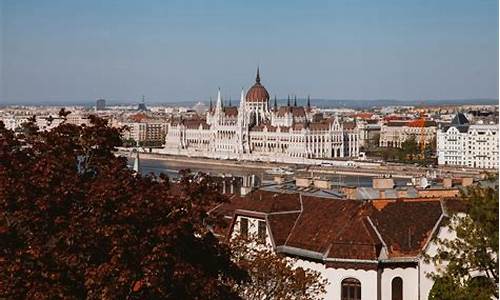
(143, 129)
(369, 132)
(395, 133)
(257, 129)
(100, 104)
(463, 144)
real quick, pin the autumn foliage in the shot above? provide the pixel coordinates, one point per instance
(76, 223)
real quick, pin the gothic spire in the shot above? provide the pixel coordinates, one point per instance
(295, 101)
(230, 101)
(257, 79)
(308, 102)
(288, 101)
(242, 97)
(275, 103)
(218, 106)
(210, 104)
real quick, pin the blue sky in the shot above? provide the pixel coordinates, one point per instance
(183, 50)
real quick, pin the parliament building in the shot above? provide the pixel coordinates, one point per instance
(257, 130)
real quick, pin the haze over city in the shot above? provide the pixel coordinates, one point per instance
(173, 51)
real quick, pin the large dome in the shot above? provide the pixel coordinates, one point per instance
(257, 93)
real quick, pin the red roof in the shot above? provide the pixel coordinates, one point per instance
(341, 229)
(257, 93)
(363, 115)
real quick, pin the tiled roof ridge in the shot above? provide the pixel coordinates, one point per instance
(296, 220)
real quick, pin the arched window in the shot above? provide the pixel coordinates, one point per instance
(351, 289)
(397, 288)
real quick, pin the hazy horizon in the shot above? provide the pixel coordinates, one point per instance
(174, 51)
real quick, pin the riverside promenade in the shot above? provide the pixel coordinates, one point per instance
(355, 168)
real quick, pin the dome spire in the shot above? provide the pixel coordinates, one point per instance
(257, 79)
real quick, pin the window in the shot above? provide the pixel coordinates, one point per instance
(262, 231)
(351, 289)
(244, 227)
(397, 288)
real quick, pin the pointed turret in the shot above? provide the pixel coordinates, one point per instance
(288, 101)
(242, 109)
(275, 104)
(218, 105)
(295, 101)
(230, 101)
(242, 98)
(308, 102)
(211, 106)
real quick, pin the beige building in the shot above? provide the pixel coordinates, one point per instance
(395, 133)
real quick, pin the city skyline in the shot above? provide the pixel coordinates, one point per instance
(182, 51)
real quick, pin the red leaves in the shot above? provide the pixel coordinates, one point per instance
(78, 233)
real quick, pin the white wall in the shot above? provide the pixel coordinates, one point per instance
(410, 282)
(368, 279)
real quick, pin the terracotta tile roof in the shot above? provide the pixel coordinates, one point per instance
(320, 223)
(283, 110)
(342, 229)
(231, 111)
(363, 115)
(281, 225)
(195, 123)
(139, 117)
(405, 226)
(319, 126)
(264, 202)
(298, 111)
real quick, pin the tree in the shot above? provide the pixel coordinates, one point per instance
(409, 148)
(76, 223)
(472, 258)
(272, 276)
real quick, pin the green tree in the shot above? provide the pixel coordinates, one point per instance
(410, 148)
(471, 259)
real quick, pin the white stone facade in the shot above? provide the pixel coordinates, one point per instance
(255, 131)
(474, 146)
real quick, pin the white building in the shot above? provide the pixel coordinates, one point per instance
(365, 249)
(13, 122)
(463, 144)
(256, 130)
